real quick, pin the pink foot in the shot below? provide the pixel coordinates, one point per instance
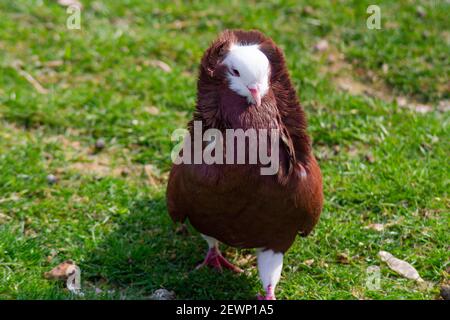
(215, 260)
(270, 295)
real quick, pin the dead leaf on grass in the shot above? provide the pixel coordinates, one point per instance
(161, 65)
(401, 267)
(309, 262)
(375, 226)
(68, 271)
(343, 258)
(152, 110)
(17, 65)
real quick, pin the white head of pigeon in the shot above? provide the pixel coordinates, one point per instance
(248, 72)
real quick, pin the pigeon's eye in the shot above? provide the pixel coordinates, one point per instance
(235, 73)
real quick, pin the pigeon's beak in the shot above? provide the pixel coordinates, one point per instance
(254, 90)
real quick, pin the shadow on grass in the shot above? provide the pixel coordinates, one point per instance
(144, 254)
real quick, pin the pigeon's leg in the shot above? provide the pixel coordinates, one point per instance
(269, 267)
(214, 258)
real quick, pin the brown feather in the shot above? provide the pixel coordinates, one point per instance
(234, 203)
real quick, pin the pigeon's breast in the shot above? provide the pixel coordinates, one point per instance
(241, 208)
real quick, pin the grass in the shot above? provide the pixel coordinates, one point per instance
(381, 162)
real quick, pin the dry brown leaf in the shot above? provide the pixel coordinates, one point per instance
(401, 267)
(309, 262)
(343, 258)
(152, 110)
(382, 227)
(68, 271)
(17, 65)
(375, 226)
(60, 272)
(54, 63)
(160, 64)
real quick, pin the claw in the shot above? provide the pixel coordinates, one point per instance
(261, 297)
(215, 260)
(269, 294)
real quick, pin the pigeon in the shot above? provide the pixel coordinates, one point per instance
(244, 85)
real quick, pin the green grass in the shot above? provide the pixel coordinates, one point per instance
(115, 224)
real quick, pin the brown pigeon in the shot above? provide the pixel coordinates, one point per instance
(244, 85)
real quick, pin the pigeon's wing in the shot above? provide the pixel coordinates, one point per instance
(302, 171)
(292, 117)
(175, 195)
(309, 197)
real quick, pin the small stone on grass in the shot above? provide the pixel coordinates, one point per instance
(52, 179)
(163, 294)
